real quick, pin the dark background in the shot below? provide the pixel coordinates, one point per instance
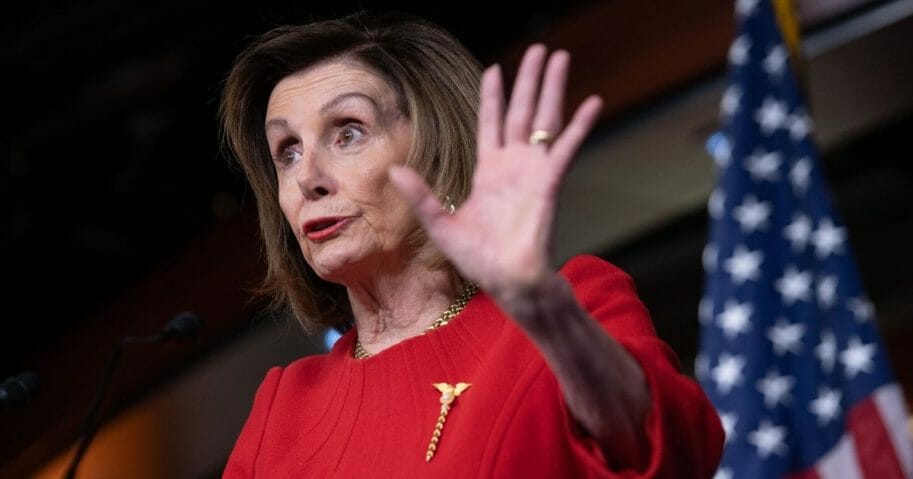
(118, 210)
(110, 143)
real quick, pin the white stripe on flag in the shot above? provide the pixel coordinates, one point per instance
(840, 462)
(890, 405)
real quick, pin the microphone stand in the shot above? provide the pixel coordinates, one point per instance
(183, 325)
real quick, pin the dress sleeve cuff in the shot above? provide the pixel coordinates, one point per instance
(682, 432)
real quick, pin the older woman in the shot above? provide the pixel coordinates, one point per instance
(388, 203)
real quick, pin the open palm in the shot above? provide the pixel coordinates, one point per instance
(500, 236)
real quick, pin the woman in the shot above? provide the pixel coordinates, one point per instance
(387, 202)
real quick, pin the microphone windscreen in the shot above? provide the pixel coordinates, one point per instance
(17, 389)
(185, 325)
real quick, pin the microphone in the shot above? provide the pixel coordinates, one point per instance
(185, 326)
(17, 389)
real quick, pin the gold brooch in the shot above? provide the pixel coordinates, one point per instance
(448, 395)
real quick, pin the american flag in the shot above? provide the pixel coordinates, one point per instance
(790, 354)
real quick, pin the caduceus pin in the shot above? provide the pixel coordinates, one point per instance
(448, 395)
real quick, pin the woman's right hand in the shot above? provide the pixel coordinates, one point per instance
(500, 237)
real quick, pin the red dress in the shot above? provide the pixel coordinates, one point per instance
(336, 416)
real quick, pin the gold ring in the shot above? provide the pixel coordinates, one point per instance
(539, 137)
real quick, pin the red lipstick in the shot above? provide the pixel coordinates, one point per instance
(319, 229)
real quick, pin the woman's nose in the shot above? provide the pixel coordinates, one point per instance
(313, 180)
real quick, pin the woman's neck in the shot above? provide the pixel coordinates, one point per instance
(393, 305)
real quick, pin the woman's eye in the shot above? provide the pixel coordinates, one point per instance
(349, 134)
(287, 156)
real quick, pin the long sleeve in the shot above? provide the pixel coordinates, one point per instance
(684, 432)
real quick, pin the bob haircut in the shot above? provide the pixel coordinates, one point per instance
(436, 82)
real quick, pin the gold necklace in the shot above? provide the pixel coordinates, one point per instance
(451, 312)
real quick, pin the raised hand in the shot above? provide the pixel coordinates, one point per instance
(500, 236)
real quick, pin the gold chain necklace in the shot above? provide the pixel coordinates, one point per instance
(451, 312)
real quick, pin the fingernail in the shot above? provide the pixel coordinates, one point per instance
(492, 71)
(534, 48)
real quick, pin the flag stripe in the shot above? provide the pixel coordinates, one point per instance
(875, 460)
(874, 447)
(890, 403)
(840, 462)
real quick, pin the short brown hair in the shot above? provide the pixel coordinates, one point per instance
(436, 82)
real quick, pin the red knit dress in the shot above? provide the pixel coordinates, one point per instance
(336, 416)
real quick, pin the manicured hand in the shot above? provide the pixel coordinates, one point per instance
(500, 236)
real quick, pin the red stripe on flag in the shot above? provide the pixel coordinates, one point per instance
(806, 474)
(877, 458)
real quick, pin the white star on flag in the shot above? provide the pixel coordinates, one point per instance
(716, 204)
(794, 285)
(764, 166)
(744, 265)
(862, 309)
(728, 372)
(857, 357)
(826, 351)
(775, 61)
(826, 406)
(721, 150)
(704, 310)
(735, 318)
(786, 337)
(827, 290)
(752, 214)
(799, 175)
(728, 421)
(771, 115)
(800, 125)
(828, 239)
(731, 100)
(798, 232)
(775, 388)
(768, 439)
(745, 8)
(722, 473)
(738, 51)
(709, 257)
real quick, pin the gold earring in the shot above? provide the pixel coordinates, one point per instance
(447, 204)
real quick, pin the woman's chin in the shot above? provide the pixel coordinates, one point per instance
(335, 266)
(345, 266)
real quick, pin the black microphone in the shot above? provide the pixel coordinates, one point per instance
(17, 389)
(184, 326)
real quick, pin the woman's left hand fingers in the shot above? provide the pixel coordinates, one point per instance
(566, 145)
(417, 194)
(514, 184)
(551, 99)
(521, 108)
(490, 110)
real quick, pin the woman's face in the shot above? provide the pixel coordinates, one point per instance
(333, 130)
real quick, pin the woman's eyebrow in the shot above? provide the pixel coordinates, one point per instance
(327, 107)
(332, 104)
(276, 123)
